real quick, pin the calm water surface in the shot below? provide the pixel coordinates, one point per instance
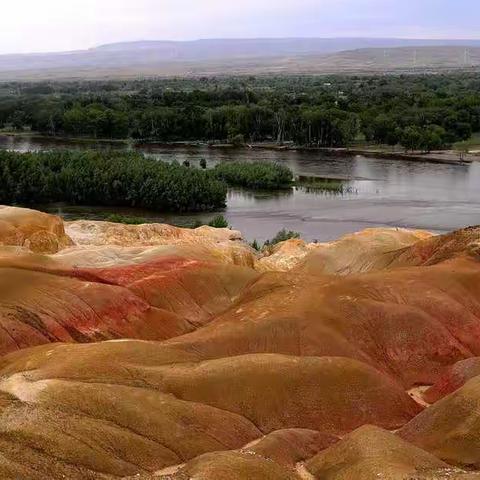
(437, 197)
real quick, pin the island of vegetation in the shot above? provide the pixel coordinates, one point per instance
(254, 175)
(93, 177)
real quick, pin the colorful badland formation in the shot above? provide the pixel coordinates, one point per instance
(157, 352)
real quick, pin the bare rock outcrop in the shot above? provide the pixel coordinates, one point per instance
(368, 250)
(449, 429)
(288, 447)
(225, 244)
(454, 377)
(36, 231)
(369, 453)
(232, 466)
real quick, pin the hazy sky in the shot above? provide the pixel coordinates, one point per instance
(51, 25)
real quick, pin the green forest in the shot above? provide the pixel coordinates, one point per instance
(416, 111)
(90, 177)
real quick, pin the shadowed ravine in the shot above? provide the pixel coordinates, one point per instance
(152, 351)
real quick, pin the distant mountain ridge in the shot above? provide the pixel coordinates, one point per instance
(233, 56)
(279, 46)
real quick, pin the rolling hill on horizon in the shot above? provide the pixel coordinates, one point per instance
(243, 56)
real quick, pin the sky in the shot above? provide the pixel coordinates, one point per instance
(59, 25)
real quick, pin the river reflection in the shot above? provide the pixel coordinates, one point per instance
(377, 192)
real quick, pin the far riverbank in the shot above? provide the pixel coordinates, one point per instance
(439, 156)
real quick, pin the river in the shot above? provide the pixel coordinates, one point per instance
(375, 192)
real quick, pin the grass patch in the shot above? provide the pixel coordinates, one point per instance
(254, 175)
(472, 143)
(218, 222)
(126, 220)
(330, 185)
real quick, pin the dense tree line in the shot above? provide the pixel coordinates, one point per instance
(102, 178)
(416, 111)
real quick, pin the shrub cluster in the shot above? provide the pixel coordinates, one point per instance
(282, 236)
(107, 178)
